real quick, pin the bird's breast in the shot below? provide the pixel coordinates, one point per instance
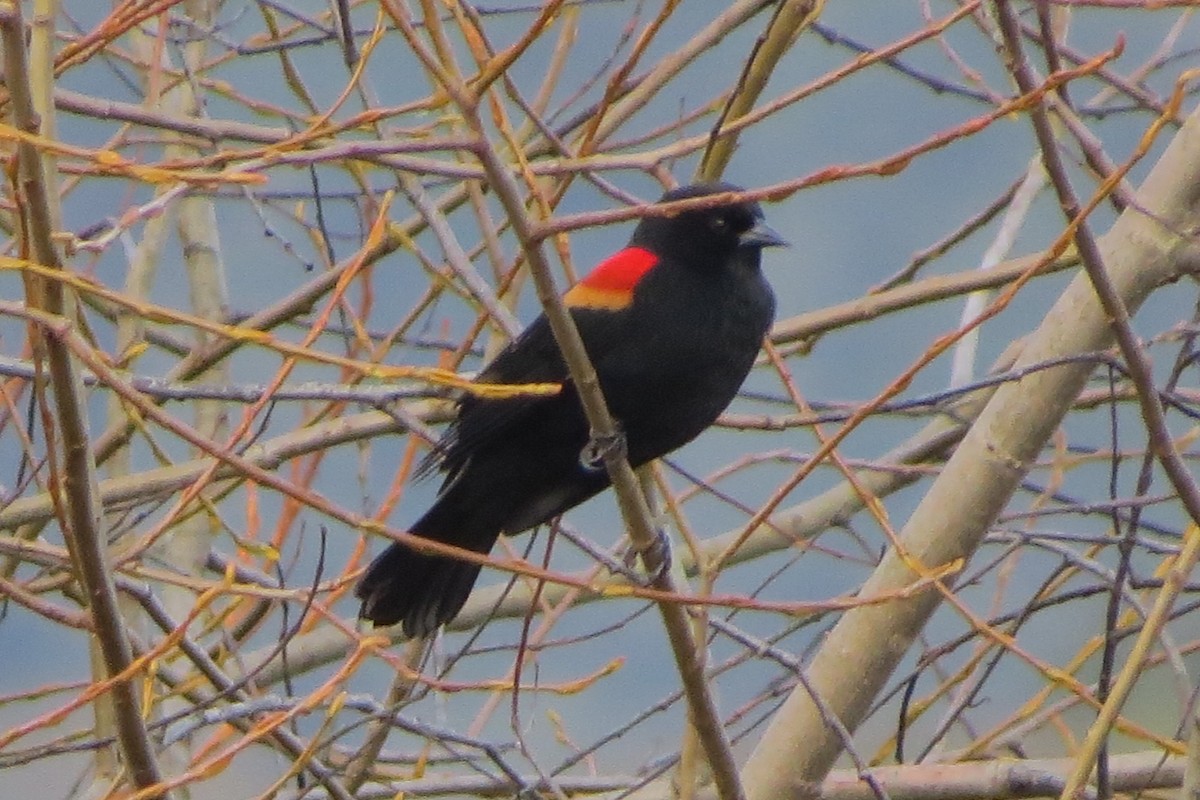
(685, 362)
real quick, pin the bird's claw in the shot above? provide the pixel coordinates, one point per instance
(656, 560)
(659, 554)
(601, 447)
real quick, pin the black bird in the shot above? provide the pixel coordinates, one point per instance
(672, 323)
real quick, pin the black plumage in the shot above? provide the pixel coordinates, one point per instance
(672, 325)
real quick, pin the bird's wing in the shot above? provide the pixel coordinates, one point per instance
(532, 357)
(599, 304)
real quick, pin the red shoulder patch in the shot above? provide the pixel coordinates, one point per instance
(610, 285)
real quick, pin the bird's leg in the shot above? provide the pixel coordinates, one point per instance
(597, 451)
(601, 447)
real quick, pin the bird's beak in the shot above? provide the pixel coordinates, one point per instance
(761, 235)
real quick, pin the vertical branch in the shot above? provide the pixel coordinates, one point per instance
(962, 367)
(82, 528)
(187, 544)
(200, 243)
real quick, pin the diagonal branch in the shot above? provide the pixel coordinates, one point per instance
(1147, 247)
(1139, 372)
(634, 509)
(789, 21)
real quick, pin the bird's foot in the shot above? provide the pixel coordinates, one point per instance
(601, 447)
(657, 557)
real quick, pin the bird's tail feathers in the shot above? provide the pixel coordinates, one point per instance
(418, 590)
(424, 591)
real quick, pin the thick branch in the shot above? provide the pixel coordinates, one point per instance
(1142, 251)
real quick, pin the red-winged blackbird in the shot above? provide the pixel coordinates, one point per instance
(672, 324)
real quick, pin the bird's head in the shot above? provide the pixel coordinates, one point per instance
(709, 235)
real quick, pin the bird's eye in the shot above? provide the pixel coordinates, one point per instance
(718, 223)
